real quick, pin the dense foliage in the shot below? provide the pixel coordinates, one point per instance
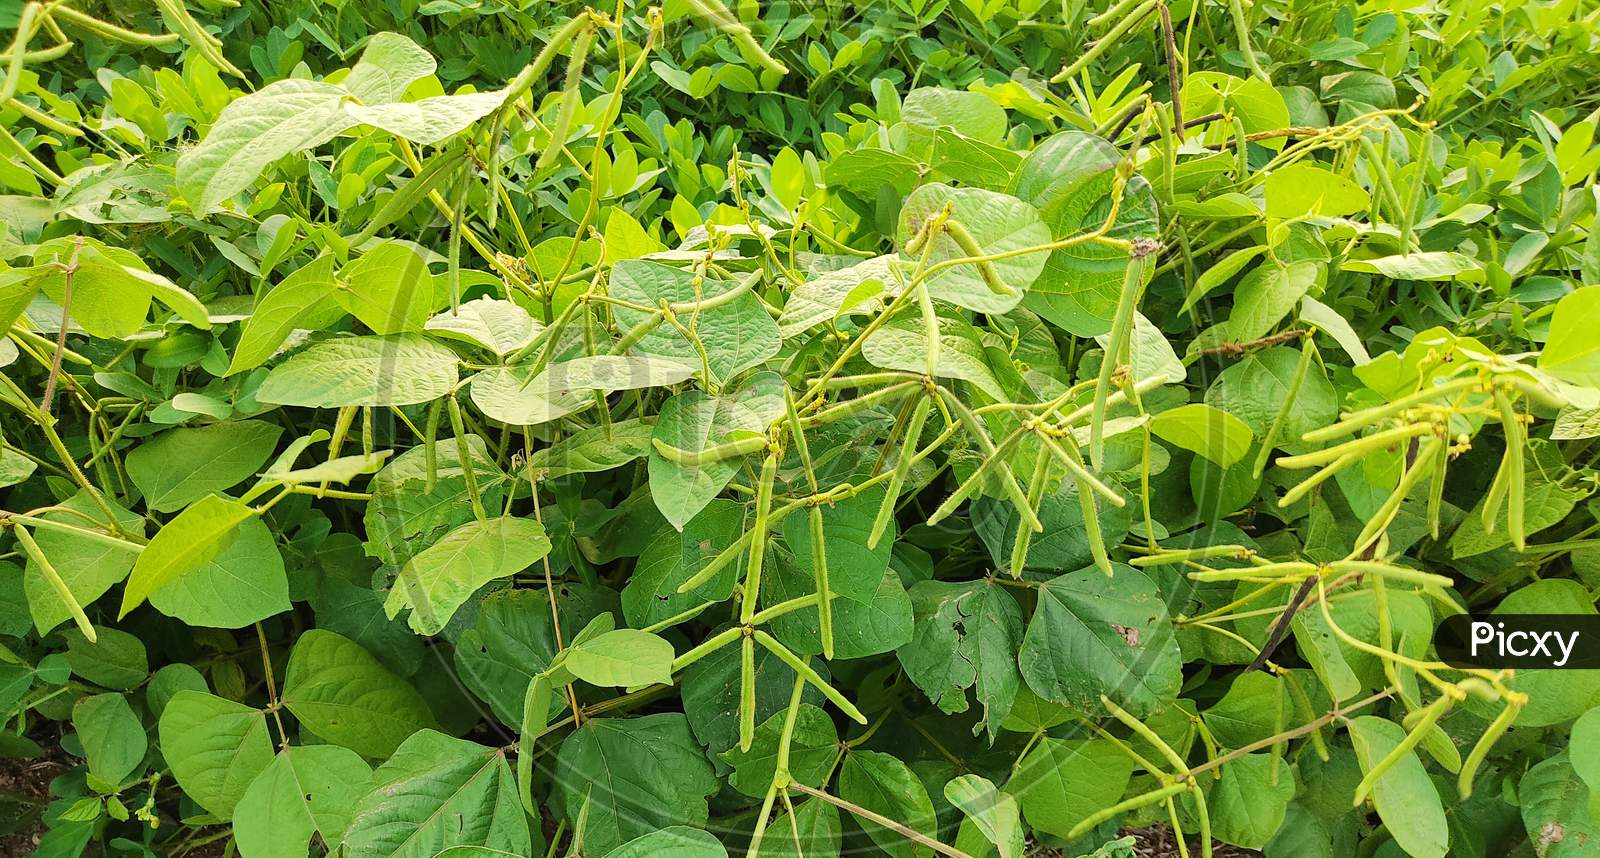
(428, 427)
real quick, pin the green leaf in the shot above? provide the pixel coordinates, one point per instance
(1555, 696)
(288, 116)
(404, 517)
(399, 370)
(1584, 748)
(1255, 707)
(184, 545)
(298, 296)
(496, 324)
(994, 812)
(1211, 432)
(112, 737)
(116, 659)
(736, 335)
(1069, 178)
(1254, 387)
(997, 223)
(812, 750)
(181, 466)
(694, 421)
(1405, 796)
(1303, 188)
(884, 785)
(388, 288)
(596, 449)
(972, 114)
(508, 395)
(623, 658)
(1249, 803)
(788, 178)
(1266, 295)
(305, 791)
(434, 793)
(1435, 265)
(89, 567)
(440, 579)
(671, 558)
(514, 640)
(242, 584)
(903, 344)
(967, 636)
(1557, 810)
(675, 841)
(389, 64)
(1571, 351)
(636, 775)
(215, 748)
(1094, 634)
(344, 695)
(826, 296)
(1062, 781)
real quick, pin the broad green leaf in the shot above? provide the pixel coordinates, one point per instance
(695, 421)
(1211, 432)
(389, 64)
(813, 747)
(1254, 387)
(399, 370)
(242, 584)
(344, 695)
(599, 448)
(671, 558)
(513, 641)
(116, 659)
(1064, 543)
(995, 813)
(1328, 321)
(886, 786)
(1554, 696)
(434, 793)
(215, 748)
(788, 178)
(996, 223)
(388, 288)
(440, 579)
(903, 343)
(1303, 188)
(972, 114)
(1150, 354)
(812, 831)
(854, 570)
(1062, 781)
(1249, 803)
(1572, 351)
(112, 738)
(181, 466)
(735, 336)
(1585, 748)
(276, 314)
(496, 324)
(430, 120)
(711, 693)
(967, 636)
(404, 517)
(1266, 296)
(864, 172)
(1406, 799)
(1545, 502)
(89, 567)
(676, 841)
(1069, 178)
(184, 545)
(636, 775)
(305, 791)
(1255, 707)
(1094, 635)
(1436, 265)
(287, 116)
(623, 658)
(877, 622)
(1558, 810)
(827, 296)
